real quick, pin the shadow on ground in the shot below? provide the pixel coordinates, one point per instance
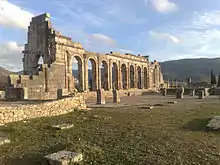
(197, 124)
(35, 158)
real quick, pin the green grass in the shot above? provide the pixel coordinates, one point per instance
(169, 135)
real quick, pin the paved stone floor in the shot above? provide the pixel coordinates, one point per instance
(150, 100)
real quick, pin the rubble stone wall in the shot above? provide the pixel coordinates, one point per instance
(18, 111)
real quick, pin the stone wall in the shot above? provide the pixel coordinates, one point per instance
(24, 110)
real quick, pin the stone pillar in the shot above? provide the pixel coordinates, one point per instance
(98, 75)
(119, 76)
(142, 77)
(192, 92)
(201, 94)
(135, 76)
(179, 93)
(128, 76)
(100, 97)
(116, 98)
(164, 92)
(86, 87)
(110, 74)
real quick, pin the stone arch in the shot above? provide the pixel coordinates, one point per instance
(124, 76)
(132, 76)
(139, 77)
(77, 71)
(104, 75)
(92, 74)
(114, 75)
(145, 78)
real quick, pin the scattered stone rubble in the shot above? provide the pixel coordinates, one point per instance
(63, 126)
(4, 140)
(214, 123)
(64, 158)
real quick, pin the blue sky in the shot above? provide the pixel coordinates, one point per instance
(163, 29)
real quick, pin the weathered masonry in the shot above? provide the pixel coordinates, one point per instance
(54, 78)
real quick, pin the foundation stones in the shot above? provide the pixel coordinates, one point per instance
(172, 102)
(64, 158)
(4, 140)
(100, 97)
(63, 126)
(214, 123)
(116, 98)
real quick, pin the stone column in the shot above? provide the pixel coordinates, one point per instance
(142, 77)
(119, 76)
(100, 96)
(135, 76)
(201, 94)
(128, 77)
(110, 74)
(192, 92)
(98, 74)
(86, 87)
(116, 98)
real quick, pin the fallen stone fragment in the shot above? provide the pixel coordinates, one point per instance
(158, 105)
(63, 158)
(172, 102)
(63, 126)
(4, 140)
(148, 107)
(214, 123)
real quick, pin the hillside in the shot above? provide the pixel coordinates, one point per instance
(3, 77)
(198, 69)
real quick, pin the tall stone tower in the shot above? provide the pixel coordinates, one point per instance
(39, 44)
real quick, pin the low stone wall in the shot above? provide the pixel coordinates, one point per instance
(12, 112)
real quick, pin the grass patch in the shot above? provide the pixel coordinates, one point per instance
(173, 134)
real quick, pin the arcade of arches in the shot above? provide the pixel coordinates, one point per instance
(114, 71)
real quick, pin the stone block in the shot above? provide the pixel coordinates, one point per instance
(100, 97)
(179, 94)
(172, 102)
(147, 107)
(63, 158)
(201, 94)
(214, 123)
(164, 92)
(4, 140)
(63, 126)
(2, 95)
(116, 98)
(192, 92)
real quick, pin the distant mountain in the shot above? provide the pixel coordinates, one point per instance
(197, 69)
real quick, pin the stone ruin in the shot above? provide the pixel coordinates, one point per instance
(47, 67)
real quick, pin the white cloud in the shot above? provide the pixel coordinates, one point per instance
(200, 37)
(102, 39)
(14, 16)
(164, 6)
(166, 36)
(11, 56)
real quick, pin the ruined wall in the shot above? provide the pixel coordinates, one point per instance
(16, 112)
(42, 81)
